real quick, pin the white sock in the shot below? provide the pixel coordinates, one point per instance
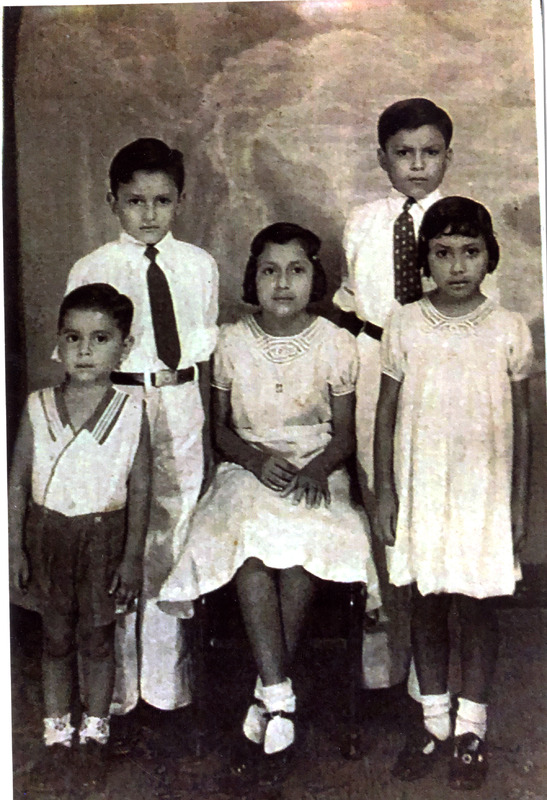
(436, 708)
(280, 730)
(95, 729)
(254, 726)
(412, 685)
(58, 730)
(471, 718)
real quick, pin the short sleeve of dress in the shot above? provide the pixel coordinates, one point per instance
(391, 348)
(520, 351)
(343, 362)
(223, 361)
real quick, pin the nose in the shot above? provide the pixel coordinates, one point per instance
(458, 264)
(150, 212)
(283, 279)
(84, 345)
(417, 160)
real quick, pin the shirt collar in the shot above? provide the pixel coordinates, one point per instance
(424, 203)
(126, 238)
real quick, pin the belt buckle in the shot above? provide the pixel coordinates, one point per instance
(165, 377)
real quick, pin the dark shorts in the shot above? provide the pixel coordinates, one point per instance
(73, 561)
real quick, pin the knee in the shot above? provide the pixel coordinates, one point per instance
(97, 644)
(58, 644)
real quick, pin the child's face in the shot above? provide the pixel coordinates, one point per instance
(91, 346)
(458, 265)
(284, 278)
(146, 206)
(415, 160)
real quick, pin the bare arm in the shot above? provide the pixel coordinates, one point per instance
(521, 462)
(19, 493)
(274, 471)
(127, 581)
(204, 368)
(311, 481)
(384, 484)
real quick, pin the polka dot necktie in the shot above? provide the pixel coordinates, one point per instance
(163, 313)
(408, 283)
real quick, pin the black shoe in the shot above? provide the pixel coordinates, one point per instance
(418, 757)
(469, 763)
(53, 771)
(274, 768)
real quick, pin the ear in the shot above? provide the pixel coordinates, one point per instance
(381, 154)
(178, 205)
(112, 202)
(128, 343)
(449, 155)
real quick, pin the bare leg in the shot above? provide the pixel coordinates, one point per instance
(97, 650)
(296, 591)
(259, 603)
(57, 663)
(430, 641)
(479, 646)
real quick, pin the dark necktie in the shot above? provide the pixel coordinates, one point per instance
(163, 313)
(408, 283)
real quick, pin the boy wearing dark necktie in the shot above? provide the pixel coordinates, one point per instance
(174, 289)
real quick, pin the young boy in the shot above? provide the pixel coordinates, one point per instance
(174, 288)
(78, 511)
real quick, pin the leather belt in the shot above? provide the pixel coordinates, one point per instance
(374, 331)
(164, 377)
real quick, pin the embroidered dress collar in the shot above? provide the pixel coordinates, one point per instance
(282, 349)
(436, 319)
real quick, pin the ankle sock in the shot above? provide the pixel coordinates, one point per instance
(471, 718)
(279, 700)
(436, 709)
(254, 725)
(58, 730)
(96, 729)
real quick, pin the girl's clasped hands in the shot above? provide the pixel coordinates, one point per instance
(309, 483)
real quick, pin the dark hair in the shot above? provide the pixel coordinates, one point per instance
(150, 155)
(457, 216)
(282, 233)
(411, 114)
(99, 297)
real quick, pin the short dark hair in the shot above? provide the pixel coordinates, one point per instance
(99, 297)
(411, 114)
(457, 216)
(282, 233)
(149, 155)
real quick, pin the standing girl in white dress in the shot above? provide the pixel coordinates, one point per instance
(451, 456)
(278, 514)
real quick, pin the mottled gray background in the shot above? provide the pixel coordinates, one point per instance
(274, 106)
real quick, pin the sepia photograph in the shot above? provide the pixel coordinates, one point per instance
(275, 400)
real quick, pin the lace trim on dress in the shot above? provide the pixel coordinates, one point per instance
(467, 322)
(283, 349)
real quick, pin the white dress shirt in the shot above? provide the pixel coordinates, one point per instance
(368, 290)
(193, 281)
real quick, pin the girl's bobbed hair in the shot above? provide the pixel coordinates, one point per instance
(282, 233)
(457, 216)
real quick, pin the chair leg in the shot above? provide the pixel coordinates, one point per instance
(352, 747)
(200, 643)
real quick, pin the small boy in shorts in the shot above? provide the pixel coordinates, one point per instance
(78, 511)
(174, 289)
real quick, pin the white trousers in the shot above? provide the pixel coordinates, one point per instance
(152, 658)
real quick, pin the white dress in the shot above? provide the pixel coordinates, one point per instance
(454, 445)
(280, 391)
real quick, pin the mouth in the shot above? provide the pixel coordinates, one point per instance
(458, 284)
(85, 366)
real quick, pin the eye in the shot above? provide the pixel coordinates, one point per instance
(102, 338)
(402, 151)
(164, 201)
(472, 251)
(298, 269)
(440, 252)
(134, 201)
(71, 337)
(266, 270)
(432, 151)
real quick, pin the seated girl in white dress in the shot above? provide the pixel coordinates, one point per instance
(278, 513)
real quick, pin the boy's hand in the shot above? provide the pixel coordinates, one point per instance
(208, 466)
(386, 515)
(127, 581)
(312, 484)
(276, 473)
(20, 570)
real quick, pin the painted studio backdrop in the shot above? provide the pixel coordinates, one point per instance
(274, 106)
